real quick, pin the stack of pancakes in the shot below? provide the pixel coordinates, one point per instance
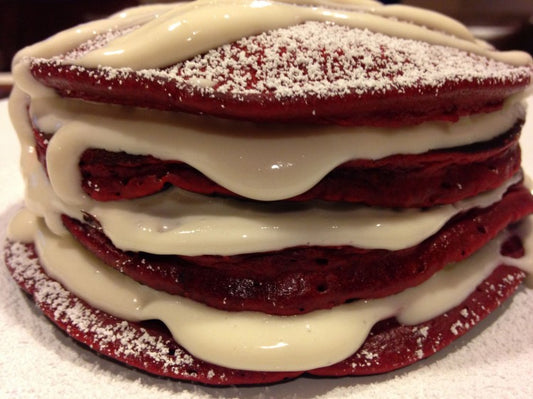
(319, 196)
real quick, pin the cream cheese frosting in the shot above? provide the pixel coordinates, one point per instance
(177, 222)
(253, 340)
(205, 24)
(260, 162)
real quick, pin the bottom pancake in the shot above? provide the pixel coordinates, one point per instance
(149, 346)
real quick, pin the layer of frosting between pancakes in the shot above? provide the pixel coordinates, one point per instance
(261, 348)
(253, 340)
(177, 222)
(260, 162)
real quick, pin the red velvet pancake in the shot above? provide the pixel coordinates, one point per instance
(340, 75)
(149, 347)
(303, 279)
(398, 181)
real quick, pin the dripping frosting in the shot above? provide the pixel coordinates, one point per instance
(202, 25)
(253, 340)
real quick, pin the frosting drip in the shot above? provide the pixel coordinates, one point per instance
(203, 25)
(261, 162)
(176, 222)
(251, 340)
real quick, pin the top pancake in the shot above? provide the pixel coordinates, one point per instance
(315, 72)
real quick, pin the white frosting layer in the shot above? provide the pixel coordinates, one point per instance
(256, 161)
(205, 24)
(177, 222)
(252, 340)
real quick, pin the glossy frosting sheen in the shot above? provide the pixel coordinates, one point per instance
(253, 340)
(205, 24)
(177, 222)
(260, 162)
(266, 164)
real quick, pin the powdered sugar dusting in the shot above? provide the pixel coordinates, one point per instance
(317, 59)
(324, 59)
(103, 333)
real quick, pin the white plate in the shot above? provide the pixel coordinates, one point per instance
(38, 361)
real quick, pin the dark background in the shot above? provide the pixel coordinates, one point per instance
(505, 23)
